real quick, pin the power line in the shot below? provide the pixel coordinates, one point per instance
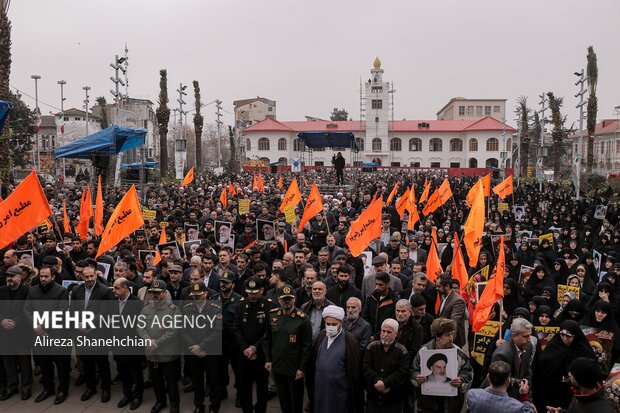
(21, 92)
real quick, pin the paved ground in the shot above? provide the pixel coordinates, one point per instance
(73, 404)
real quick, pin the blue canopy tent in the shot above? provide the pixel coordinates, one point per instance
(110, 141)
(314, 140)
(138, 165)
(5, 108)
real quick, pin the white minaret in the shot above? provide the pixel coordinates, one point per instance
(377, 114)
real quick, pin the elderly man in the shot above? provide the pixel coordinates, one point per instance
(356, 325)
(337, 386)
(386, 369)
(379, 264)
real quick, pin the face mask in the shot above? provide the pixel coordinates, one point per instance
(331, 331)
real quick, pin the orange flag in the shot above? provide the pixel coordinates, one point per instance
(86, 212)
(413, 217)
(365, 229)
(493, 292)
(392, 194)
(254, 182)
(99, 209)
(504, 188)
(65, 217)
(434, 236)
(411, 199)
(459, 271)
(259, 182)
(401, 204)
(223, 199)
(314, 205)
(439, 197)
(23, 210)
(231, 189)
(280, 183)
(188, 178)
(486, 184)
(474, 226)
(126, 218)
(425, 191)
(292, 196)
(486, 188)
(433, 264)
(162, 240)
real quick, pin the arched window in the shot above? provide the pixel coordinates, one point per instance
(263, 144)
(396, 145)
(435, 145)
(473, 146)
(298, 145)
(492, 145)
(509, 145)
(473, 162)
(415, 145)
(376, 144)
(283, 160)
(248, 145)
(360, 144)
(492, 163)
(282, 144)
(456, 145)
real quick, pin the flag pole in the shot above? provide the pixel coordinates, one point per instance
(501, 311)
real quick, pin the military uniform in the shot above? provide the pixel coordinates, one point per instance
(288, 346)
(251, 321)
(162, 361)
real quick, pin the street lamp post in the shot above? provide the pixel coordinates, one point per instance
(38, 111)
(62, 83)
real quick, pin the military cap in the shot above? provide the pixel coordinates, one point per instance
(176, 268)
(158, 286)
(228, 276)
(253, 285)
(286, 291)
(198, 289)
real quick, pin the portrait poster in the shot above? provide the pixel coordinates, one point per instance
(148, 214)
(600, 211)
(103, 270)
(525, 273)
(366, 258)
(480, 289)
(502, 206)
(519, 212)
(597, 258)
(265, 230)
(525, 235)
(171, 244)
(482, 340)
(147, 257)
(545, 334)
(612, 386)
(190, 247)
(223, 233)
(439, 367)
(289, 214)
(191, 231)
(548, 237)
(601, 342)
(563, 289)
(26, 255)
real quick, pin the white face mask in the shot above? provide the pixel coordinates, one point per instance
(331, 331)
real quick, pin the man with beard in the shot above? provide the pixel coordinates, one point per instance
(340, 293)
(251, 321)
(288, 347)
(13, 325)
(356, 325)
(410, 335)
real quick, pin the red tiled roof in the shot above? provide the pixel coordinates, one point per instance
(487, 123)
(605, 127)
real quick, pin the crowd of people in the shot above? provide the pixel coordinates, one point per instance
(323, 330)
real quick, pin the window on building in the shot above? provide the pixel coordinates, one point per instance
(415, 145)
(478, 111)
(377, 103)
(509, 145)
(319, 163)
(298, 145)
(495, 109)
(435, 164)
(456, 145)
(376, 145)
(461, 110)
(263, 144)
(492, 145)
(376, 119)
(360, 144)
(396, 145)
(455, 164)
(602, 148)
(248, 145)
(395, 164)
(376, 89)
(282, 144)
(470, 111)
(435, 145)
(65, 118)
(78, 119)
(414, 164)
(487, 110)
(273, 117)
(617, 147)
(270, 109)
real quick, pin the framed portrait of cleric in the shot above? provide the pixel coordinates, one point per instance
(518, 211)
(600, 211)
(171, 244)
(191, 231)
(439, 367)
(265, 230)
(223, 234)
(190, 247)
(26, 255)
(366, 257)
(147, 257)
(103, 270)
(69, 285)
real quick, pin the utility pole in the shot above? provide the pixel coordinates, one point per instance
(504, 153)
(543, 100)
(181, 145)
(36, 99)
(116, 78)
(218, 105)
(579, 156)
(86, 89)
(62, 83)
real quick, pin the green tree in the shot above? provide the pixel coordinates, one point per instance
(233, 161)
(558, 133)
(523, 113)
(163, 117)
(592, 77)
(22, 130)
(198, 125)
(339, 114)
(5, 75)
(103, 121)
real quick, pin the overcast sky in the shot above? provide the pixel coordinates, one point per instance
(309, 55)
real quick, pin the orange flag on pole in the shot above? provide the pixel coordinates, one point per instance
(434, 236)
(504, 188)
(410, 205)
(493, 292)
(486, 184)
(486, 189)
(314, 205)
(162, 240)
(86, 212)
(254, 182)
(474, 226)
(23, 210)
(413, 217)
(223, 199)
(365, 229)
(99, 209)
(126, 218)
(439, 197)
(259, 182)
(433, 264)
(401, 204)
(392, 194)
(231, 189)
(292, 196)
(65, 217)
(280, 183)
(189, 177)
(425, 191)
(459, 271)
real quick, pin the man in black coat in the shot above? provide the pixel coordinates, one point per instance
(339, 164)
(340, 293)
